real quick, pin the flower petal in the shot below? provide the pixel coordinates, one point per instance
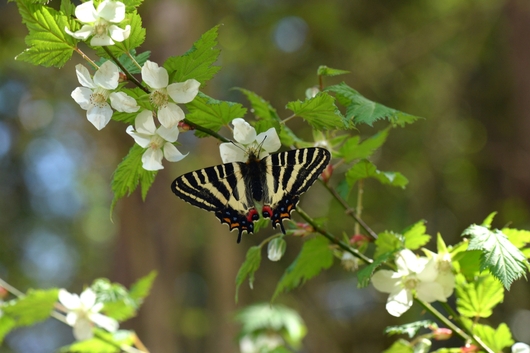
(144, 123)
(152, 159)
(101, 40)
(83, 33)
(269, 140)
(69, 300)
(141, 139)
(184, 92)
(88, 298)
(155, 76)
(106, 322)
(71, 318)
(399, 302)
(520, 347)
(83, 329)
(430, 292)
(231, 153)
(107, 75)
(406, 262)
(112, 11)
(172, 154)
(82, 96)
(429, 271)
(123, 103)
(447, 281)
(86, 12)
(99, 116)
(83, 76)
(119, 34)
(386, 281)
(170, 135)
(170, 115)
(244, 133)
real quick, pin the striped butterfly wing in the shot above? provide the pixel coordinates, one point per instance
(220, 189)
(288, 175)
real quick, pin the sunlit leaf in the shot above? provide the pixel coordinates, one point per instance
(365, 274)
(410, 329)
(34, 307)
(415, 236)
(478, 297)
(320, 112)
(388, 242)
(323, 70)
(400, 346)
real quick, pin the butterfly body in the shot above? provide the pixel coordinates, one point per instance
(231, 190)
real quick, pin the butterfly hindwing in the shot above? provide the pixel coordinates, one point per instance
(277, 181)
(220, 189)
(289, 175)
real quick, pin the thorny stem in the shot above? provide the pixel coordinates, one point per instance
(125, 71)
(206, 131)
(332, 238)
(359, 208)
(350, 211)
(84, 56)
(452, 326)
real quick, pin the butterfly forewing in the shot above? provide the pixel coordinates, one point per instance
(277, 181)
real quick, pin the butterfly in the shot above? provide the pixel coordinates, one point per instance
(232, 190)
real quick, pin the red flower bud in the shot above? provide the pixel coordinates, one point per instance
(3, 293)
(359, 240)
(327, 173)
(183, 127)
(442, 334)
(469, 348)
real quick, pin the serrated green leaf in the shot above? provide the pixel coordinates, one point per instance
(400, 346)
(260, 107)
(501, 257)
(7, 323)
(103, 342)
(487, 222)
(34, 307)
(129, 174)
(314, 257)
(196, 63)
(469, 263)
(211, 113)
(135, 39)
(415, 236)
(388, 242)
(519, 238)
(352, 149)
(363, 110)
(410, 329)
(365, 169)
(323, 70)
(320, 112)
(48, 43)
(365, 274)
(141, 288)
(130, 5)
(478, 297)
(67, 8)
(130, 61)
(248, 268)
(497, 339)
(441, 248)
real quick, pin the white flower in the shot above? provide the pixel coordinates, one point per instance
(349, 262)
(98, 22)
(94, 94)
(520, 347)
(83, 313)
(159, 142)
(276, 249)
(414, 276)
(169, 114)
(247, 140)
(260, 343)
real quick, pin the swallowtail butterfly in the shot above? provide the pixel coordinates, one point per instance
(275, 182)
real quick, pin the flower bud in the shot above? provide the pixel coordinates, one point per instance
(349, 262)
(326, 174)
(3, 293)
(302, 230)
(359, 240)
(311, 92)
(122, 77)
(183, 127)
(442, 334)
(469, 348)
(276, 249)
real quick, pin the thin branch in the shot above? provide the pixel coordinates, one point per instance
(350, 211)
(84, 56)
(332, 238)
(125, 71)
(11, 289)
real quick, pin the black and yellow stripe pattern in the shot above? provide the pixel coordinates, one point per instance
(276, 181)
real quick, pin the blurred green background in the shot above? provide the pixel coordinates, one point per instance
(462, 65)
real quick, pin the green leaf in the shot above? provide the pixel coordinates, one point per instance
(34, 307)
(487, 222)
(136, 38)
(352, 149)
(400, 346)
(248, 268)
(469, 263)
(501, 257)
(314, 257)
(67, 8)
(260, 107)
(103, 342)
(415, 236)
(211, 113)
(363, 110)
(127, 61)
(410, 329)
(478, 297)
(7, 323)
(365, 274)
(130, 5)
(497, 339)
(519, 238)
(129, 174)
(323, 70)
(197, 62)
(141, 288)
(365, 169)
(48, 43)
(388, 242)
(320, 112)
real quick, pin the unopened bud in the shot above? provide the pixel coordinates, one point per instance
(349, 262)
(3, 293)
(311, 92)
(442, 334)
(359, 240)
(276, 249)
(183, 127)
(327, 173)
(122, 77)
(469, 348)
(302, 229)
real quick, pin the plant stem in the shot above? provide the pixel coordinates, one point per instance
(206, 131)
(125, 71)
(11, 289)
(452, 326)
(332, 238)
(359, 208)
(84, 56)
(350, 211)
